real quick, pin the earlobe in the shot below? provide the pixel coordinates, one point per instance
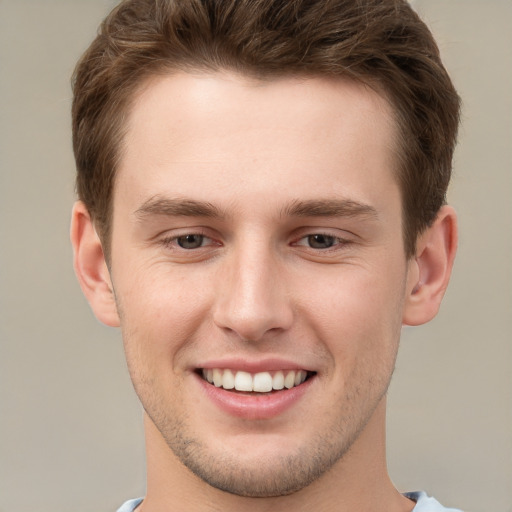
(430, 270)
(91, 268)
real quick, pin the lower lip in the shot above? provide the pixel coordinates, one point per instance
(254, 406)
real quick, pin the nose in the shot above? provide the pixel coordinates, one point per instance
(252, 299)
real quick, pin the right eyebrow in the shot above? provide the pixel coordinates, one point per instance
(172, 207)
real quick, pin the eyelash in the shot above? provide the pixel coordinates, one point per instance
(172, 241)
(337, 242)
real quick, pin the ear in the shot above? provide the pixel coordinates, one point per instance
(91, 268)
(431, 268)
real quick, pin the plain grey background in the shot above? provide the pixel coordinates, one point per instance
(71, 434)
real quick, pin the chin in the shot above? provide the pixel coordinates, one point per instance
(261, 479)
(274, 468)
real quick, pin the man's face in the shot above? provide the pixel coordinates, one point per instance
(257, 241)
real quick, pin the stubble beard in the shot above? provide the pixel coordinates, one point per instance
(262, 478)
(272, 475)
(276, 476)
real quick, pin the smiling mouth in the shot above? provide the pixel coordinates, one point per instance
(261, 382)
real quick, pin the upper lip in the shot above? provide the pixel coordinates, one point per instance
(253, 366)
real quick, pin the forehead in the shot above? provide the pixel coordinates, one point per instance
(223, 130)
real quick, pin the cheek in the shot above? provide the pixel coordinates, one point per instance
(160, 311)
(358, 313)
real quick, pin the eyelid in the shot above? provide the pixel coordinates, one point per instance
(334, 232)
(338, 239)
(169, 240)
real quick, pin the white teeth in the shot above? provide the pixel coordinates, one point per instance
(217, 377)
(278, 380)
(289, 380)
(300, 377)
(262, 382)
(243, 381)
(228, 380)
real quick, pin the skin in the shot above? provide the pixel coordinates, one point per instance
(256, 170)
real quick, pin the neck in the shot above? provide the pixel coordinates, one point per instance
(357, 482)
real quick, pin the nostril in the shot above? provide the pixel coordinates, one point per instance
(252, 308)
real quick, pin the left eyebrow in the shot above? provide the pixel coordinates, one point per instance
(330, 208)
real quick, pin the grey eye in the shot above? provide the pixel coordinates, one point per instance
(321, 241)
(190, 241)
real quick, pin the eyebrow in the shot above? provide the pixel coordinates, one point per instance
(171, 207)
(330, 208)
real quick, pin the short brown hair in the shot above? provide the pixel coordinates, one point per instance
(382, 43)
